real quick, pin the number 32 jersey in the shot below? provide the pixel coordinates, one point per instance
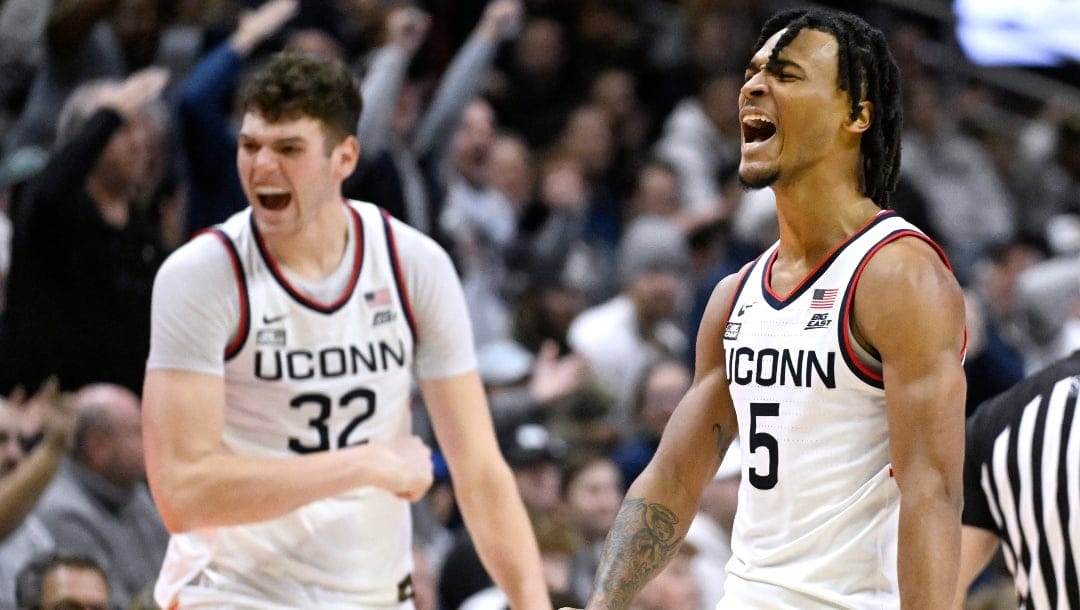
(305, 374)
(816, 525)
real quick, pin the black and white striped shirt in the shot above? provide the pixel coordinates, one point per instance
(1022, 481)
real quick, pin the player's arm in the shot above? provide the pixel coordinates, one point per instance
(485, 488)
(977, 548)
(909, 307)
(661, 503)
(197, 482)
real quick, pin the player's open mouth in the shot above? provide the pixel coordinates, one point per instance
(757, 128)
(273, 198)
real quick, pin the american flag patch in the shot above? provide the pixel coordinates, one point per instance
(378, 298)
(823, 298)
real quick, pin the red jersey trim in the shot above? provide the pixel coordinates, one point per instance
(779, 302)
(237, 343)
(847, 349)
(399, 277)
(299, 297)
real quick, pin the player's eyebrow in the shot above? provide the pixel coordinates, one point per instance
(774, 64)
(780, 62)
(274, 141)
(289, 140)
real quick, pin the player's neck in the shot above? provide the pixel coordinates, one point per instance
(316, 250)
(817, 213)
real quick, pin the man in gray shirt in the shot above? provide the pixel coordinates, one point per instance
(98, 505)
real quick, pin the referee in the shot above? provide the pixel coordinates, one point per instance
(1022, 488)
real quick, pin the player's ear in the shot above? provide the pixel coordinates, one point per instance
(863, 119)
(346, 155)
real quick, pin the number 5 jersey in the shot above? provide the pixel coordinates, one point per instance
(818, 508)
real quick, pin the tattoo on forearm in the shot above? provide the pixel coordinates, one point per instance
(722, 440)
(641, 542)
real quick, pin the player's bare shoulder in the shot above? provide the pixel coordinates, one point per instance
(909, 263)
(907, 286)
(723, 294)
(714, 322)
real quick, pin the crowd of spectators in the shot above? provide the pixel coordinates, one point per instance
(577, 158)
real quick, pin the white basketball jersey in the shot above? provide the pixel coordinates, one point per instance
(303, 376)
(816, 525)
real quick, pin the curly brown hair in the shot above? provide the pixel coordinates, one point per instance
(292, 86)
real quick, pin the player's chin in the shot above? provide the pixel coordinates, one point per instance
(753, 176)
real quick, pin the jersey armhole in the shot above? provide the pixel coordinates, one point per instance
(243, 328)
(744, 274)
(399, 277)
(855, 355)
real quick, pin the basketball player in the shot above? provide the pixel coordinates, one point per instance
(836, 356)
(1022, 488)
(276, 409)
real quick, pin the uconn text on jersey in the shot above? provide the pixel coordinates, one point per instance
(784, 367)
(328, 362)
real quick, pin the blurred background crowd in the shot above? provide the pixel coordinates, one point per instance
(578, 160)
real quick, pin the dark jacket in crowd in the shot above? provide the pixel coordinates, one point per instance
(78, 294)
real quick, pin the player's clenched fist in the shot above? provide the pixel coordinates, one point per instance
(406, 467)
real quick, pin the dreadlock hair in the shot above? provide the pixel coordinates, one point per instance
(866, 71)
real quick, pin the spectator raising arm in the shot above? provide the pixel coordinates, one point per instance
(207, 140)
(21, 487)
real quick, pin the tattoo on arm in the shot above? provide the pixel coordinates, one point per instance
(641, 542)
(722, 440)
